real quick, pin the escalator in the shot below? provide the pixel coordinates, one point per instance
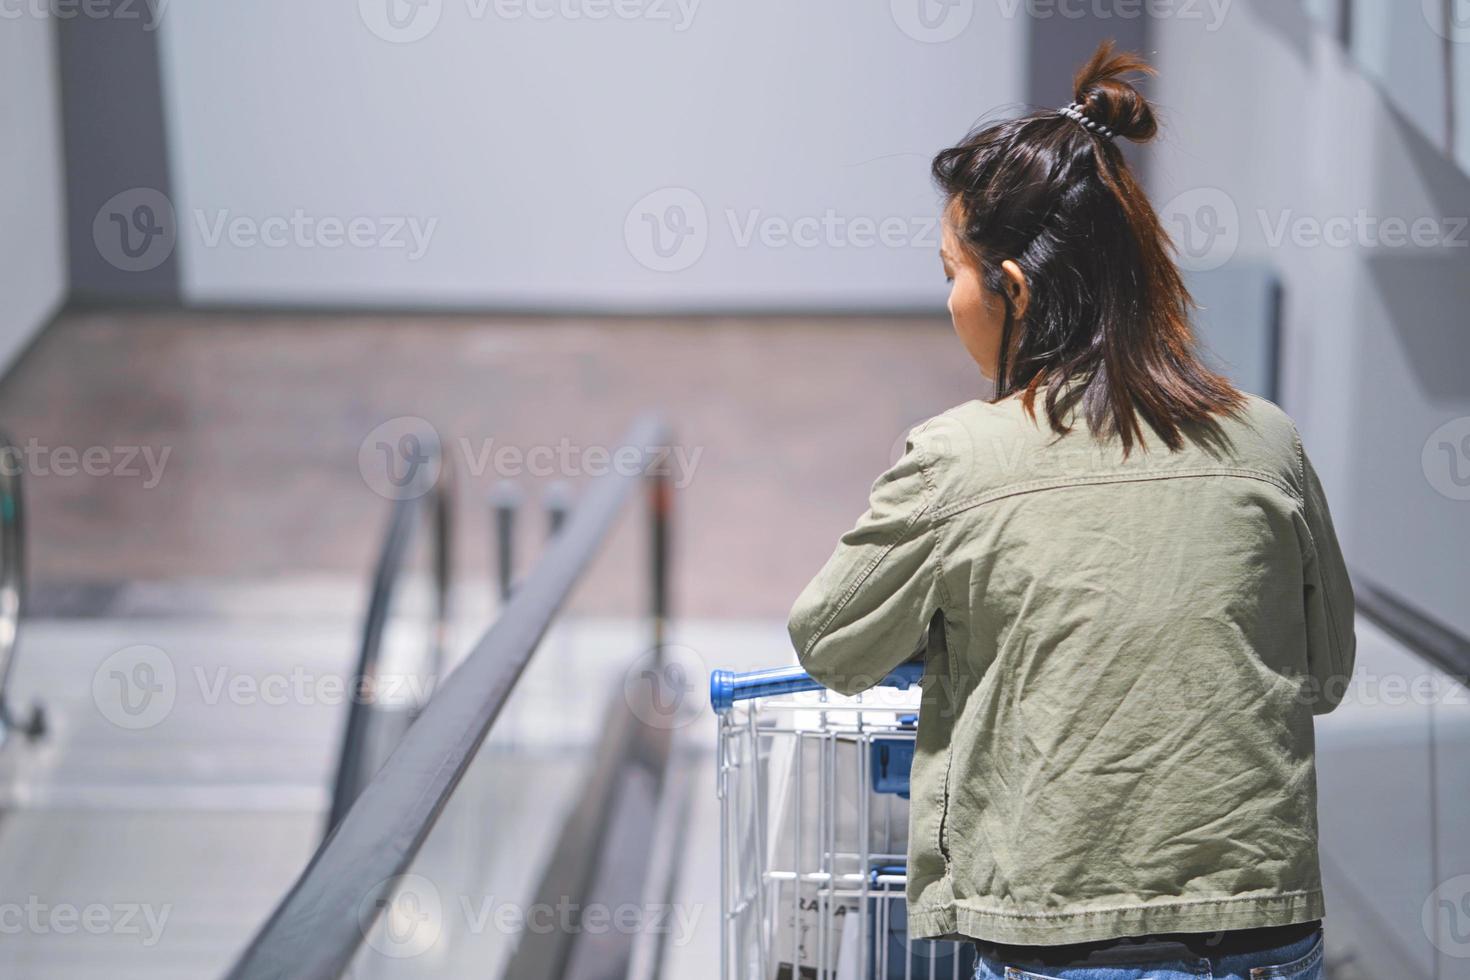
(171, 805)
(532, 802)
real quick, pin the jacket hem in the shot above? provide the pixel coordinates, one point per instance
(959, 921)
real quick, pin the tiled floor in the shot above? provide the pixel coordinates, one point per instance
(262, 419)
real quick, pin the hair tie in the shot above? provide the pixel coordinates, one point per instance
(1074, 111)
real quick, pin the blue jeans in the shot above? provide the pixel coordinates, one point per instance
(1301, 960)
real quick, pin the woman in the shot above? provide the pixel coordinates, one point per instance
(1133, 598)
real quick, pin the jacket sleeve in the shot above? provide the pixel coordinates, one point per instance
(869, 607)
(1331, 642)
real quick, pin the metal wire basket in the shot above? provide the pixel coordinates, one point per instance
(814, 831)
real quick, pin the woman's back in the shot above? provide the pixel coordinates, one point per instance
(1116, 736)
(1132, 595)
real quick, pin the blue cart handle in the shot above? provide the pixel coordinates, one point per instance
(726, 687)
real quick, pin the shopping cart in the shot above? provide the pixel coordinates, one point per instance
(814, 831)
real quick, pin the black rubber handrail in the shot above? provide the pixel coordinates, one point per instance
(319, 926)
(1423, 635)
(435, 506)
(12, 588)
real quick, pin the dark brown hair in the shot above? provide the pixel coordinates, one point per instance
(1107, 307)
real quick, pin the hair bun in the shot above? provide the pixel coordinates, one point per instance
(1106, 94)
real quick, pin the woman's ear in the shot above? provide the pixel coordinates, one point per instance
(1015, 286)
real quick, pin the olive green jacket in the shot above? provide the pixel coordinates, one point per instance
(1116, 727)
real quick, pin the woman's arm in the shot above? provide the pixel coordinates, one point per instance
(871, 604)
(1331, 642)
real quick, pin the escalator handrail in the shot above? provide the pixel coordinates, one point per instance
(318, 928)
(12, 572)
(1421, 634)
(435, 505)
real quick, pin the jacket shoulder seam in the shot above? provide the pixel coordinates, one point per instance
(1301, 465)
(1097, 479)
(876, 560)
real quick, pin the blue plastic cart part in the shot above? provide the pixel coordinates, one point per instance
(726, 687)
(880, 870)
(891, 761)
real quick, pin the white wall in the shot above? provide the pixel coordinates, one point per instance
(530, 141)
(1371, 330)
(32, 250)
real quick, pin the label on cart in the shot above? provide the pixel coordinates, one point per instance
(891, 762)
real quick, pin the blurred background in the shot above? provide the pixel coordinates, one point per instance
(320, 318)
